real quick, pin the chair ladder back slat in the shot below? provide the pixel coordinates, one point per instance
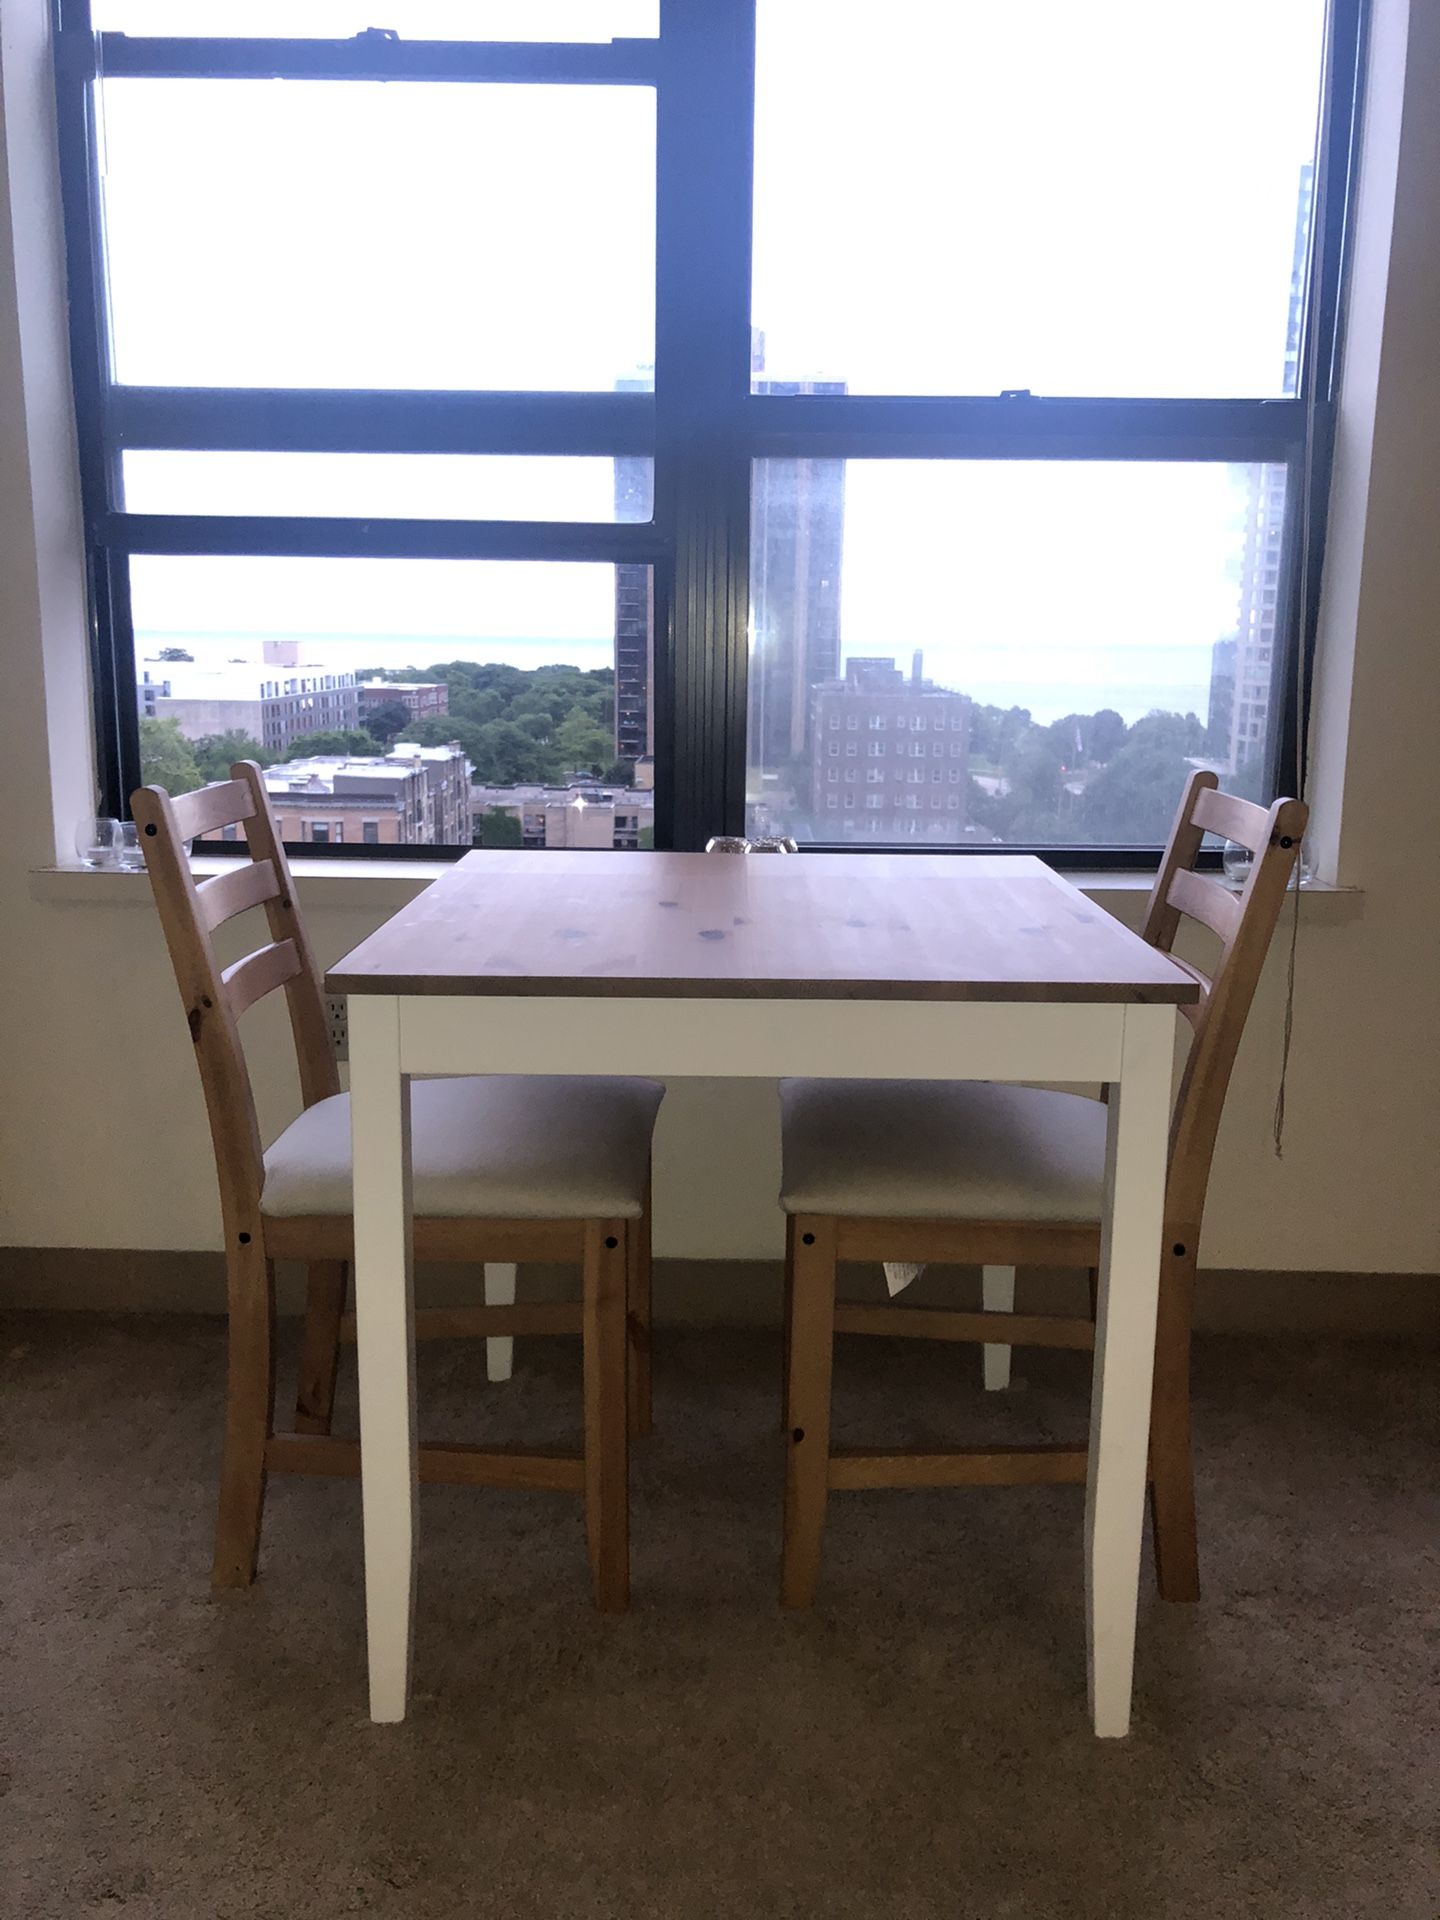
(247, 884)
(224, 1077)
(1222, 1016)
(259, 973)
(314, 1049)
(1162, 920)
(1206, 900)
(1195, 1008)
(1238, 820)
(225, 804)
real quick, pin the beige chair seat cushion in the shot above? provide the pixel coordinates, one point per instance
(940, 1150)
(502, 1147)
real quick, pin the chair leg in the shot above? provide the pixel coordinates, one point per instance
(320, 1346)
(807, 1464)
(607, 1443)
(638, 1396)
(499, 1292)
(787, 1308)
(997, 1295)
(249, 1413)
(1172, 1470)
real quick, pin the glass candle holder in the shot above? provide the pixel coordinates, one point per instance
(1237, 861)
(97, 842)
(727, 843)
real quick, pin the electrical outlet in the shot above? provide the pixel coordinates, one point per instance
(337, 1012)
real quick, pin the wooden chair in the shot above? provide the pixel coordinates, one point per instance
(506, 1169)
(1000, 1177)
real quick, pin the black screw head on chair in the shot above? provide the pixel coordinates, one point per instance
(798, 1435)
(244, 1239)
(808, 1238)
(1179, 1247)
(1286, 841)
(611, 1241)
(150, 829)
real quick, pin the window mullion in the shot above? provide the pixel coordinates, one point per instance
(702, 374)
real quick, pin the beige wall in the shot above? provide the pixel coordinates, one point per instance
(102, 1132)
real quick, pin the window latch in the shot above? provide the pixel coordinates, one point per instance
(1016, 393)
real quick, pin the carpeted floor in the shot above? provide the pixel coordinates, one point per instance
(915, 1746)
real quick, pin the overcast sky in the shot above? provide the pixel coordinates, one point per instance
(951, 197)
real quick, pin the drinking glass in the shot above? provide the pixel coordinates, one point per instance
(97, 842)
(131, 852)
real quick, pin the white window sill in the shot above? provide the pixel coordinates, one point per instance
(380, 886)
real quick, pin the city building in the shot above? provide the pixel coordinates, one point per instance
(578, 816)
(889, 758)
(1246, 671)
(270, 693)
(797, 538)
(412, 796)
(1252, 663)
(1220, 719)
(421, 699)
(634, 604)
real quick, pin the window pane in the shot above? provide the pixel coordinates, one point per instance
(433, 701)
(414, 19)
(348, 234)
(1027, 652)
(1103, 199)
(420, 486)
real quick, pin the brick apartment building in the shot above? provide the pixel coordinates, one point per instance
(889, 758)
(275, 696)
(597, 817)
(413, 796)
(421, 699)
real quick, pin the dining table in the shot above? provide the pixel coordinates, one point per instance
(863, 965)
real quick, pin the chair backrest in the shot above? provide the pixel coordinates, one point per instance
(214, 997)
(1244, 924)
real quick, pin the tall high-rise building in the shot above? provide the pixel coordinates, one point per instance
(1247, 667)
(634, 608)
(797, 536)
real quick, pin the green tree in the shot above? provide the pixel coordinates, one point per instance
(216, 753)
(174, 653)
(167, 758)
(497, 828)
(388, 722)
(338, 740)
(583, 746)
(1134, 798)
(620, 773)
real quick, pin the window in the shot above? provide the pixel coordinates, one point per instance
(348, 482)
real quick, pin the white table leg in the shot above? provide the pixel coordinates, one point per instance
(385, 1344)
(997, 1295)
(499, 1292)
(1135, 1155)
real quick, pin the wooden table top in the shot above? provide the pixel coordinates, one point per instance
(759, 926)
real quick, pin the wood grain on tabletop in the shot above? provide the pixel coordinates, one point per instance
(822, 926)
